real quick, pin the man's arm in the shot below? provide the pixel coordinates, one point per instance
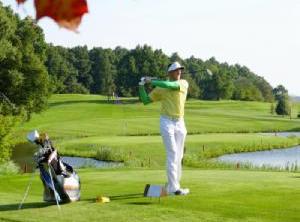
(155, 94)
(143, 95)
(174, 85)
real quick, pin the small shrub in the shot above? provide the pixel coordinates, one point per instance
(292, 136)
(109, 154)
(8, 168)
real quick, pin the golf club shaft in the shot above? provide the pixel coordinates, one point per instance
(27, 191)
(54, 190)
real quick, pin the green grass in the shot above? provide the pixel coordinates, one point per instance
(216, 195)
(86, 125)
(90, 115)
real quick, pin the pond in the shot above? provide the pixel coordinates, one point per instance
(277, 158)
(23, 156)
(79, 162)
(283, 134)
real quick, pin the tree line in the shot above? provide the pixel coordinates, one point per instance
(118, 71)
(104, 71)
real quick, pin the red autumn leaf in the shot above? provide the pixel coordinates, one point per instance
(21, 1)
(67, 13)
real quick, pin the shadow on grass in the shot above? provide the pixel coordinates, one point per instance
(121, 102)
(127, 196)
(134, 196)
(9, 220)
(34, 205)
(119, 197)
(297, 129)
(296, 177)
(141, 203)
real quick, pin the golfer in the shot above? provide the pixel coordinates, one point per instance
(172, 95)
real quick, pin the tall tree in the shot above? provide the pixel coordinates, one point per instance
(103, 71)
(265, 88)
(141, 61)
(193, 90)
(223, 86)
(79, 57)
(23, 76)
(279, 92)
(63, 74)
(283, 107)
(245, 90)
(282, 97)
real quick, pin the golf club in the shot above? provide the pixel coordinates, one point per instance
(57, 197)
(7, 100)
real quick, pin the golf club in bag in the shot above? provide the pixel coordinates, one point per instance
(61, 182)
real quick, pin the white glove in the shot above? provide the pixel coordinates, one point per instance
(147, 79)
(141, 83)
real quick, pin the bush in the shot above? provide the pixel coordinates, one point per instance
(108, 154)
(9, 168)
(282, 107)
(7, 124)
(9, 118)
(76, 88)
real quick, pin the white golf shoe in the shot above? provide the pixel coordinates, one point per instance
(180, 192)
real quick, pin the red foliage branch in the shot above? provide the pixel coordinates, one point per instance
(66, 13)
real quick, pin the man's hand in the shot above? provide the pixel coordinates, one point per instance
(146, 79)
(142, 82)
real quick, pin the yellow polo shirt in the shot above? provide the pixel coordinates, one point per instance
(172, 101)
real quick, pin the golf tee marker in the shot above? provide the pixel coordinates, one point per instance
(155, 191)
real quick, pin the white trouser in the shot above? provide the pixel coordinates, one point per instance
(173, 133)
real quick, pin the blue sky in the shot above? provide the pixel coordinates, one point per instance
(261, 34)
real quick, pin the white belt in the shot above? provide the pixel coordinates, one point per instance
(172, 118)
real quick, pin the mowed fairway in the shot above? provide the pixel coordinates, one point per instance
(84, 124)
(91, 115)
(216, 195)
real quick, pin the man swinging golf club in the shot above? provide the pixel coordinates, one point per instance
(172, 95)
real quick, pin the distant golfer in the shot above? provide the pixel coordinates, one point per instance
(172, 94)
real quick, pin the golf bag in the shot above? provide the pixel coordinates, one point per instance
(61, 183)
